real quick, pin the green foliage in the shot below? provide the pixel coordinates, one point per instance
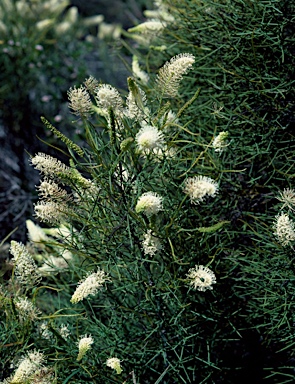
(41, 54)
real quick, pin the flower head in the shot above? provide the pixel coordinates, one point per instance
(51, 212)
(149, 203)
(136, 104)
(201, 278)
(26, 309)
(49, 166)
(27, 367)
(219, 142)
(198, 187)
(64, 331)
(84, 344)
(89, 286)
(287, 197)
(36, 233)
(44, 331)
(151, 244)
(114, 363)
(56, 263)
(108, 97)
(171, 73)
(149, 27)
(91, 84)
(25, 266)
(80, 101)
(149, 138)
(138, 73)
(48, 189)
(284, 229)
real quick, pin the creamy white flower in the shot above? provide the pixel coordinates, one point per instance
(287, 197)
(151, 244)
(149, 203)
(64, 331)
(49, 190)
(149, 27)
(44, 331)
(149, 138)
(84, 344)
(25, 268)
(136, 105)
(219, 142)
(108, 97)
(26, 309)
(36, 233)
(170, 75)
(284, 229)
(201, 278)
(27, 367)
(168, 121)
(89, 286)
(114, 363)
(49, 166)
(80, 101)
(199, 186)
(56, 263)
(91, 84)
(138, 73)
(51, 212)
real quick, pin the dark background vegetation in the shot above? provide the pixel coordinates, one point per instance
(23, 103)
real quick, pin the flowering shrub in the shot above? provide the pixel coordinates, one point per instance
(142, 263)
(125, 203)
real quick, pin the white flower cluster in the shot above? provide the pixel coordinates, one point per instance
(89, 286)
(136, 105)
(27, 368)
(150, 203)
(25, 268)
(84, 344)
(198, 187)
(26, 309)
(56, 263)
(284, 229)
(51, 212)
(149, 139)
(108, 97)
(49, 166)
(287, 197)
(201, 278)
(80, 101)
(138, 73)
(151, 244)
(170, 75)
(114, 363)
(219, 142)
(36, 234)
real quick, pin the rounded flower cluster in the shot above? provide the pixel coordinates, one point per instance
(114, 363)
(287, 197)
(284, 229)
(198, 187)
(108, 97)
(201, 278)
(149, 203)
(80, 102)
(149, 138)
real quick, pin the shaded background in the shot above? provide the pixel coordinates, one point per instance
(21, 131)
